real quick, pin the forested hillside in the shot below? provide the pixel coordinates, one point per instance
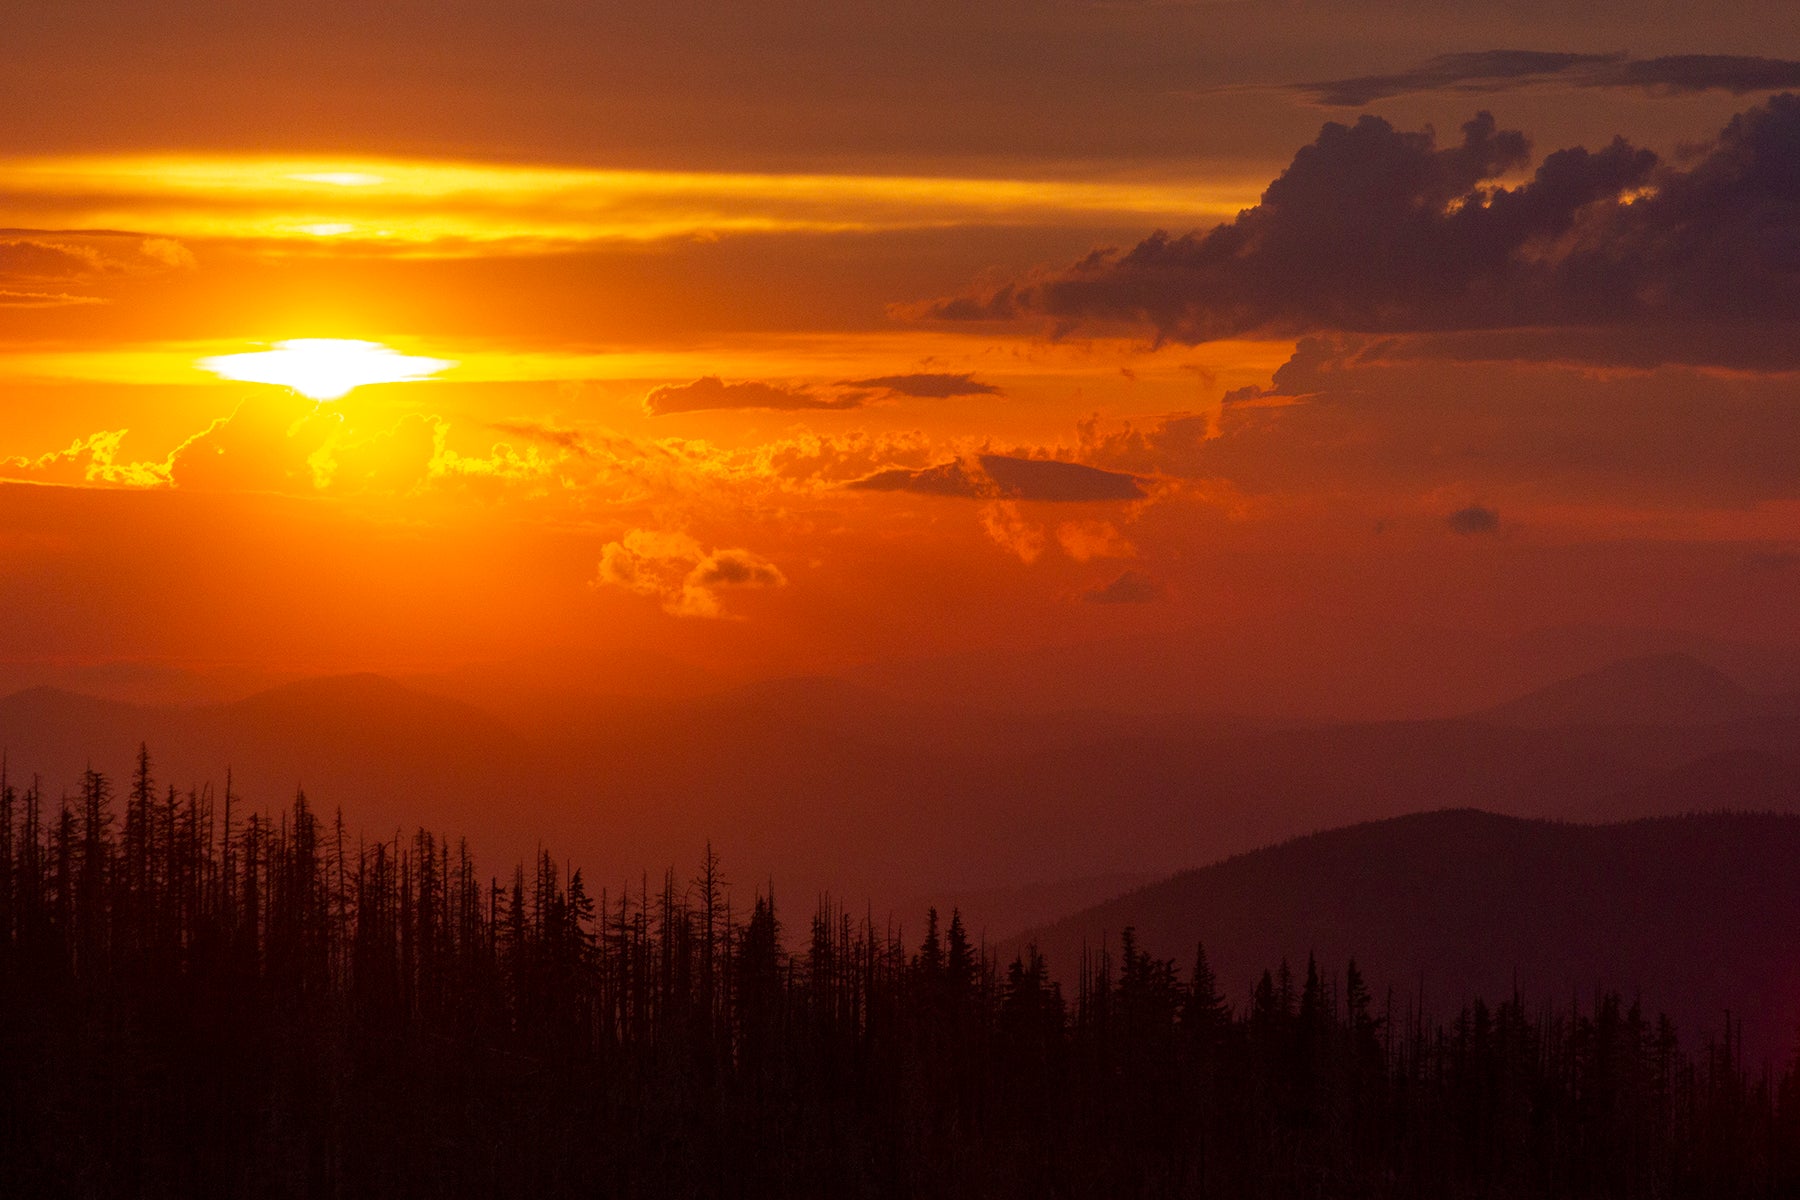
(196, 999)
(1697, 913)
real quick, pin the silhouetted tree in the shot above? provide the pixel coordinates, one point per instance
(256, 1005)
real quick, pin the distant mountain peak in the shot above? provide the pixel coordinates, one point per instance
(1656, 689)
(45, 700)
(358, 688)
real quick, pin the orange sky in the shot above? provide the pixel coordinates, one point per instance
(777, 346)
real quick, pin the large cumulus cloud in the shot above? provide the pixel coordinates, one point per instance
(1375, 229)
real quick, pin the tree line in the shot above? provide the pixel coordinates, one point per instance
(198, 998)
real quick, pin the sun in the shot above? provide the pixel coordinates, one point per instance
(324, 368)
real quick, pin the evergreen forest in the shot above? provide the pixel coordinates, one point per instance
(201, 999)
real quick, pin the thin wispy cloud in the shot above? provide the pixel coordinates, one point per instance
(1503, 70)
(1004, 477)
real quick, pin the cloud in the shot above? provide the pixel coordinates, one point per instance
(1003, 477)
(1129, 588)
(58, 256)
(711, 392)
(1346, 416)
(31, 258)
(90, 460)
(1372, 229)
(273, 443)
(1085, 540)
(808, 459)
(1003, 522)
(167, 252)
(735, 568)
(283, 443)
(929, 385)
(1499, 70)
(12, 299)
(1003, 481)
(948, 479)
(416, 206)
(550, 435)
(1061, 482)
(1677, 74)
(1474, 519)
(678, 571)
(280, 443)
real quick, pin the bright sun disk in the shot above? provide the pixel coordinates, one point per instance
(324, 368)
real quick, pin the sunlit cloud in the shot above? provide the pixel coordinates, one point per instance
(11, 299)
(324, 368)
(340, 178)
(677, 570)
(95, 459)
(444, 206)
(830, 358)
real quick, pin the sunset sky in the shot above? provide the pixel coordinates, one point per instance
(778, 338)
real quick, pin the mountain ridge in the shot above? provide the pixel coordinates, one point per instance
(1652, 690)
(1695, 912)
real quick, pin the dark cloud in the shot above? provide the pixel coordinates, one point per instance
(1478, 71)
(1003, 477)
(550, 435)
(736, 568)
(934, 386)
(1678, 73)
(27, 258)
(948, 479)
(1044, 479)
(711, 392)
(64, 255)
(36, 266)
(1474, 519)
(1373, 229)
(1497, 70)
(1129, 588)
(680, 572)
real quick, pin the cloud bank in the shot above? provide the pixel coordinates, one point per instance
(1345, 415)
(1377, 230)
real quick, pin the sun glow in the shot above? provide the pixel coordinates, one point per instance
(450, 206)
(324, 368)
